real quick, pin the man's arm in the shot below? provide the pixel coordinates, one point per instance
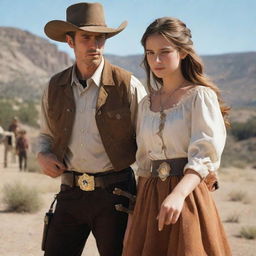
(49, 163)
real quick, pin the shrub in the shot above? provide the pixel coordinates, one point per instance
(248, 232)
(237, 196)
(233, 218)
(26, 111)
(20, 198)
(245, 130)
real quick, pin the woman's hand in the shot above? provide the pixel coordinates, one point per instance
(172, 205)
(170, 209)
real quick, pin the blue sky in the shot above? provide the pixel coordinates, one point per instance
(218, 26)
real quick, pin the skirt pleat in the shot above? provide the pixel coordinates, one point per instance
(198, 231)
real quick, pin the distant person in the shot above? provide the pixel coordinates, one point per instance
(2, 136)
(10, 140)
(14, 126)
(21, 149)
(88, 136)
(180, 136)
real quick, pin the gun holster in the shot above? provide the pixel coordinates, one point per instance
(47, 220)
(132, 199)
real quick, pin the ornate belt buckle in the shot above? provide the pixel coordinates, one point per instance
(86, 182)
(164, 171)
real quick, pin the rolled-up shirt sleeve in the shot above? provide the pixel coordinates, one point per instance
(45, 138)
(208, 134)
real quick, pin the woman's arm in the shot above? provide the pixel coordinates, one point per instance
(172, 205)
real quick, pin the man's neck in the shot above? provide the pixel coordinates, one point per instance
(85, 71)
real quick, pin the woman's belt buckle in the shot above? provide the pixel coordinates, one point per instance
(86, 182)
(164, 170)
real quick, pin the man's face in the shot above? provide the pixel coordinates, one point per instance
(88, 47)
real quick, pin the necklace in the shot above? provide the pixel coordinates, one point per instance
(164, 97)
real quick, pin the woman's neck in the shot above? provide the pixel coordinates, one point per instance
(172, 84)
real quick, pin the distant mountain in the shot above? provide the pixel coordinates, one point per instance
(27, 62)
(234, 73)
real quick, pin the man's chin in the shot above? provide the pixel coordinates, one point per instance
(93, 61)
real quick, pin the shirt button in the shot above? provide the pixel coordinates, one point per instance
(99, 113)
(118, 116)
(68, 110)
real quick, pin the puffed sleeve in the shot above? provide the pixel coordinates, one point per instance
(208, 133)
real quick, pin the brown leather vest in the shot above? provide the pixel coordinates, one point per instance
(113, 116)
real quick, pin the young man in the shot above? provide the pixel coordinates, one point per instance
(88, 136)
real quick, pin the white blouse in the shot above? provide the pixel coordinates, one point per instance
(193, 128)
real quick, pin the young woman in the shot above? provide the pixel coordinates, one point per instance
(180, 135)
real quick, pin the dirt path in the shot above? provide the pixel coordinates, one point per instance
(20, 234)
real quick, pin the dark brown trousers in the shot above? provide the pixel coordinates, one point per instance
(79, 212)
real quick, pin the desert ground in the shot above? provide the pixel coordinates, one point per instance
(20, 233)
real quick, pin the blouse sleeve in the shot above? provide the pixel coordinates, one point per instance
(208, 133)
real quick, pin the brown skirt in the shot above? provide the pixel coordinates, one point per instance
(198, 231)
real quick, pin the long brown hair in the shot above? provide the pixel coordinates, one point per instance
(192, 68)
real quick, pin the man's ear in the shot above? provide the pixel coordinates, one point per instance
(70, 41)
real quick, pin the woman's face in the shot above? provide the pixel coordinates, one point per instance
(164, 60)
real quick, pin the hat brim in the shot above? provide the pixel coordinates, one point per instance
(57, 29)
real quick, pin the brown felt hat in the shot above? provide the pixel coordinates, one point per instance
(88, 17)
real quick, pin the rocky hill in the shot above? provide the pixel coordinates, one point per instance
(27, 61)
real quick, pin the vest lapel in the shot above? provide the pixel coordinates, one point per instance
(106, 80)
(102, 97)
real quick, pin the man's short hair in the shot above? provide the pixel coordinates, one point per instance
(71, 34)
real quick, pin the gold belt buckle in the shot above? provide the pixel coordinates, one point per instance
(86, 182)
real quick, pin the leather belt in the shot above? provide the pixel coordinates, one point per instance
(174, 167)
(168, 167)
(88, 181)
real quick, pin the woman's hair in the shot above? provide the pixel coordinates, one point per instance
(176, 32)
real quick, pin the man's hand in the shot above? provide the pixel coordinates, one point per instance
(50, 165)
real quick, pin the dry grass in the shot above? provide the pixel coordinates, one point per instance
(233, 218)
(248, 232)
(238, 196)
(20, 198)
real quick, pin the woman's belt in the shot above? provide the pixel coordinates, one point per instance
(168, 167)
(175, 167)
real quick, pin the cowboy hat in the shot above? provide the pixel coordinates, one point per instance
(88, 17)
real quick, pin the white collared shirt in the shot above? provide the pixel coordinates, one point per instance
(86, 152)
